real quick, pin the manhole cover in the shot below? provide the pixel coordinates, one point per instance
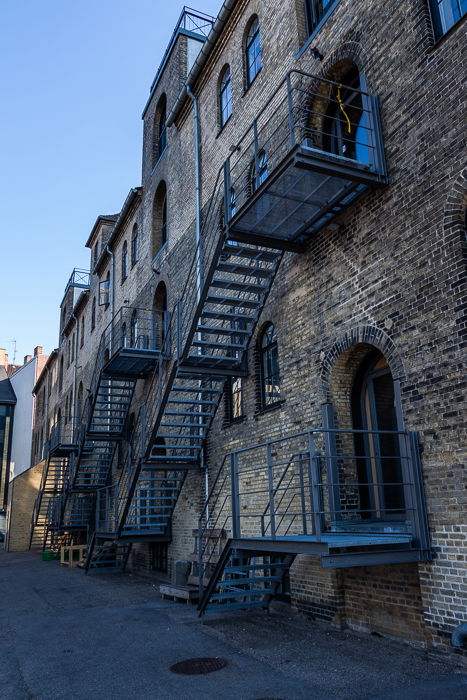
(192, 667)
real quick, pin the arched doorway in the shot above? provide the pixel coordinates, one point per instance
(159, 308)
(380, 472)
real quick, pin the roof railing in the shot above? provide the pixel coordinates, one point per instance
(78, 278)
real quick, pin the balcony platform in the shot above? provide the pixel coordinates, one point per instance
(338, 550)
(132, 362)
(306, 190)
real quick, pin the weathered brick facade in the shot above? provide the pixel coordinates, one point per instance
(387, 275)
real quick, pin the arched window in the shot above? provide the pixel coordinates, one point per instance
(60, 375)
(82, 333)
(160, 129)
(258, 171)
(73, 341)
(269, 367)
(66, 410)
(134, 245)
(70, 406)
(134, 330)
(124, 261)
(345, 130)
(159, 219)
(225, 96)
(159, 315)
(79, 402)
(68, 356)
(380, 471)
(93, 314)
(253, 52)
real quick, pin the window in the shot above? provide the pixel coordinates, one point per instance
(159, 219)
(317, 10)
(82, 333)
(124, 261)
(258, 171)
(134, 245)
(253, 52)
(269, 367)
(124, 337)
(159, 307)
(380, 470)
(235, 399)
(95, 254)
(93, 314)
(233, 202)
(160, 130)
(445, 14)
(134, 330)
(225, 96)
(73, 341)
(345, 129)
(104, 291)
(60, 375)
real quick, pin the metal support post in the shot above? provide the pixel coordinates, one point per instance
(272, 514)
(314, 486)
(236, 527)
(290, 109)
(331, 462)
(302, 494)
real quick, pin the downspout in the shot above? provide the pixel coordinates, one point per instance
(199, 256)
(112, 295)
(75, 374)
(199, 252)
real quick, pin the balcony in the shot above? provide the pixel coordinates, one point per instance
(79, 279)
(132, 343)
(315, 146)
(351, 497)
(62, 439)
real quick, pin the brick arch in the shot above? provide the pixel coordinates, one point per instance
(348, 51)
(367, 335)
(455, 210)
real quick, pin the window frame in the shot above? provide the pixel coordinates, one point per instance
(134, 245)
(225, 96)
(268, 358)
(437, 17)
(316, 16)
(252, 39)
(124, 270)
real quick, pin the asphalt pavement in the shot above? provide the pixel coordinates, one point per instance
(68, 636)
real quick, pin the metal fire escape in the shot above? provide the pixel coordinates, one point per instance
(297, 167)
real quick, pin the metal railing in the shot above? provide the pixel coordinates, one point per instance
(336, 123)
(78, 278)
(315, 484)
(61, 433)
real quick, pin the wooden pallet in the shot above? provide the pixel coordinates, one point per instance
(180, 594)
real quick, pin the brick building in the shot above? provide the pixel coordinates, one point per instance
(268, 348)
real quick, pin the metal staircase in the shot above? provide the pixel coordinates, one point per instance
(53, 480)
(254, 214)
(245, 580)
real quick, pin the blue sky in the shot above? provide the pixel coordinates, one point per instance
(75, 77)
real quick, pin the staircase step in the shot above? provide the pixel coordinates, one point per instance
(198, 389)
(188, 413)
(227, 315)
(191, 402)
(220, 330)
(253, 253)
(214, 344)
(185, 425)
(247, 270)
(255, 567)
(250, 287)
(232, 301)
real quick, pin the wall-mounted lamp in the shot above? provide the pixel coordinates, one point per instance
(316, 53)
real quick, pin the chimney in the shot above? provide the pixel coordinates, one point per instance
(27, 358)
(38, 350)
(3, 358)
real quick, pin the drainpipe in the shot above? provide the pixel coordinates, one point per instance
(459, 636)
(112, 296)
(199, 256)
(75, 373)
(199, 252)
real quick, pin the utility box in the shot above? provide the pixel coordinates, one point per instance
(181, 569)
